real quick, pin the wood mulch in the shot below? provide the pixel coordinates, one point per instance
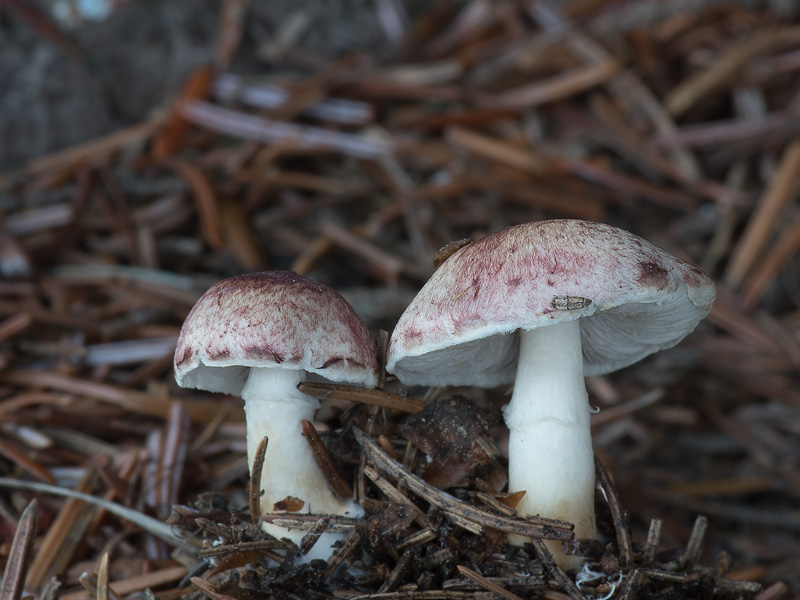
(679, 121)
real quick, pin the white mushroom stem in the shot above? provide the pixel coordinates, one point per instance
(550, 452)
(275, 408)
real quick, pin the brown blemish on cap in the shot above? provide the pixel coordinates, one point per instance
(263, 353)
(183, 355)
(332, 361)
(653, 274)
(413, 333)
(692, 275)
(219, 356)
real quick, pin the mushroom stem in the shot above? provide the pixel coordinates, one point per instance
(550, 445)
(275, 408)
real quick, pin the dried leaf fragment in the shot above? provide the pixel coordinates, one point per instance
(288, 504)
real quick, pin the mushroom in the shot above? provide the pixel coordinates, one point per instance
(257, 336)
(544, 304)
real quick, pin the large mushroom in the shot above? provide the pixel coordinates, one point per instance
(542, 305)
(257, 336)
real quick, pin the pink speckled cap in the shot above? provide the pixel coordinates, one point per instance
(273, 319)
(631, 297)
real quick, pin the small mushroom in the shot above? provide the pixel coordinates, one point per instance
(541, 305)
(257, 336)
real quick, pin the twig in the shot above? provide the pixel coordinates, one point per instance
(626, 184)
(764, 273)
(387, 264)
(737, 586)
(533, 527)
(312, 536)
(653, 538)
(486, 584)
(615, 412)
(63, 536)
(255, 479)
(695, 544)
(559, 86)
(352, 393)
(336, 524)
(128, 352)
(90, 583)
(418, 538)
(766, 215)
(726, 132)
(630, 586)
(13, 325)
(250, 127)
(149, 524)
(725, 68)
(95, 151)
(20, 553)
(404, 191)
(394, 20)
(626, 86)
(774, 592)
(399, 569)
(173, 456)
(339, 486)
(500, 506)
(103, 590)
(342, 552)
(136, 402)
(230, 28)
(474, 16)
(209, 590)
(222, 549)
(228, 87)
(617, 514)
(17, 456)
(497, 150)
(528, 582)
(394, 495)
(558, 574)
(172, 134)
(204, 197)
(425, 595)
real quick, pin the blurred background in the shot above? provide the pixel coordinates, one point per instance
(150, 148)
